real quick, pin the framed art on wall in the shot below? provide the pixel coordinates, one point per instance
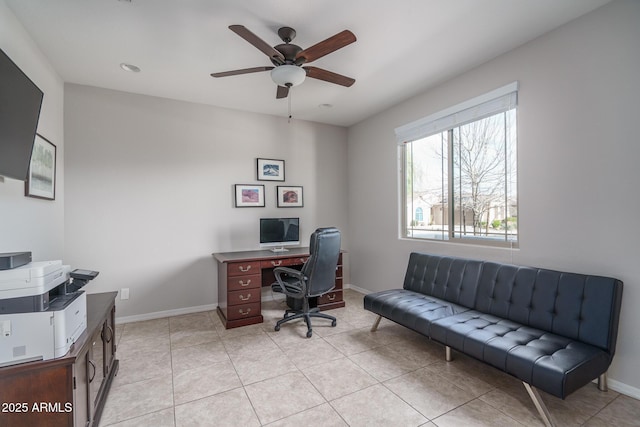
(270, 170)
(41, 179)
(289, 197)
(249, 196)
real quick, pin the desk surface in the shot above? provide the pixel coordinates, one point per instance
(264, 254)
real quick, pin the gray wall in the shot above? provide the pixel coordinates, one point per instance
(28, 224)
(578, 175)
(149, 193)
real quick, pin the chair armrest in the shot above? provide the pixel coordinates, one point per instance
(279, 271)
(290, 282)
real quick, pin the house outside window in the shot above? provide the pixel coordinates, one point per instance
(459, 172)
(419, 215)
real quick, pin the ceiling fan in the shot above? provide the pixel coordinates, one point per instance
(288, 59)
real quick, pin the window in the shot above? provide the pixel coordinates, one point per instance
(459, 172)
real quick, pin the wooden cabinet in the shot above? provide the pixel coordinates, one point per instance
(334, 298)
(241, 276)
(101, 362)
(239, 293)
(71, 390)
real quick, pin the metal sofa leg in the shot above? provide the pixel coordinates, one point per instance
(602, 382)
(376, 323)
(447, 353)
(540, 406)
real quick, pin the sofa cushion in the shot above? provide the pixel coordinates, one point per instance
(411, 309)
(447, 278)
(542, 359)
(577, 306)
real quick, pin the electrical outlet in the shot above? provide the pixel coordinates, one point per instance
(124, 293)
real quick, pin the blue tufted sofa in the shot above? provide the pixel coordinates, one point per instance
(554, 331)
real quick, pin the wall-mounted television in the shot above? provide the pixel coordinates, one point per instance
(276, 233)
(20, 102)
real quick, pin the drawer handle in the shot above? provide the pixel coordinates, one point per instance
(276, 263)
(331, 297)
(243, 298)
(245, 284)
(245, 269)
(243, 313)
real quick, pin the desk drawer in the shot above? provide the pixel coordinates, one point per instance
(330, 297)
(238, 283)
(243, 311)
(245, 296)
(283, 262)
(243, 268)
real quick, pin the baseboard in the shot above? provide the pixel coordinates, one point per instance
(357, 288)
(165, 313)
(623, 388)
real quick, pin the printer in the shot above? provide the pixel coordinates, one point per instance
(42, 312)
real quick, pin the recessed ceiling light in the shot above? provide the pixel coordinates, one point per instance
(129, 67)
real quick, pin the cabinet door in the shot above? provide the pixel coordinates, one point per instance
(96, 365)
(109, 342)
(82, 404)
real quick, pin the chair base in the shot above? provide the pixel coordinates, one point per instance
(296, 314)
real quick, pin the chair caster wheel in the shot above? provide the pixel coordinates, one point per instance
(333, 324)
(277, 328)
(309, 332)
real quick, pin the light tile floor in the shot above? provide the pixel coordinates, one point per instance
(189, 371)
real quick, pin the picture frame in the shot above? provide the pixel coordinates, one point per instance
(249, 195)
(289, 196)
(270, 170)
(41, 179)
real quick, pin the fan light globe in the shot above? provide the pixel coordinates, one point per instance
(288, 75)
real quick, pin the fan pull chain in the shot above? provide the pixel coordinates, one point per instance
(289, 98)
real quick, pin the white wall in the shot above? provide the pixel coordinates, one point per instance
(28, 224)
(578, 165)
(149, 193)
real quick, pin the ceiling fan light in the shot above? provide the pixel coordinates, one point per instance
(288, 75)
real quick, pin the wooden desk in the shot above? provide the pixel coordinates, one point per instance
(241, 276)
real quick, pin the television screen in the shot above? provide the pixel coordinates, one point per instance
(279, 231)
(20, 102)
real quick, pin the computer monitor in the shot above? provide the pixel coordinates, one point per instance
(276, 233)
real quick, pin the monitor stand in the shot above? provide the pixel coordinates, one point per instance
(280, 249)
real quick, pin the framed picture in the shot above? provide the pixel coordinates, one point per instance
(249, 196)
(270, 170)
(289, 197)
(41, 179)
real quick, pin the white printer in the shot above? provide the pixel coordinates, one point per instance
(41, 312)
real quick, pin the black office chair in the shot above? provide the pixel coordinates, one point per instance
(316, 278)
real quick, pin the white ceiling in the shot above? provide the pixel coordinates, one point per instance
(403, 48)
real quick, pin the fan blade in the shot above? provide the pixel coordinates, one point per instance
(282, 92)
(256, 41)
(325, 47)
(243, 71)
(328, 76)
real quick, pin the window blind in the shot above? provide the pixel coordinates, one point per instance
(496, 101)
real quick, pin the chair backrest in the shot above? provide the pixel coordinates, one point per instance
(320, 268)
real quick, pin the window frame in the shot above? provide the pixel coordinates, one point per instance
(418, 130)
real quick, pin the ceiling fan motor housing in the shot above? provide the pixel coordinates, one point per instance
(290, 73)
